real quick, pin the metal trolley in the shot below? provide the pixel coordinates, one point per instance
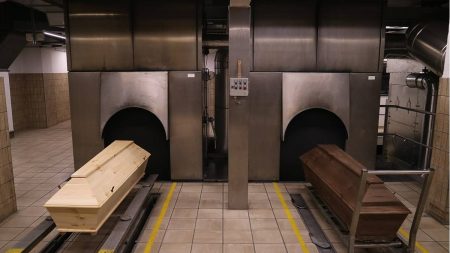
(399, 243)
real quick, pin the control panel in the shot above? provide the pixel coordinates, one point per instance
(239, 87)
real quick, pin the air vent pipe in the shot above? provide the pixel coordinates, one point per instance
(427, 42)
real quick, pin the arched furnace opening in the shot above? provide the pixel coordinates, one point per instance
(305, 130)
(147, 131)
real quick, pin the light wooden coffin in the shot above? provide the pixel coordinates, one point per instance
(94, 191)
(335, 176)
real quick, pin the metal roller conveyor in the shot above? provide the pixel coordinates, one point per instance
(121, 238)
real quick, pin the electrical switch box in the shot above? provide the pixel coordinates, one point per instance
(239, 87)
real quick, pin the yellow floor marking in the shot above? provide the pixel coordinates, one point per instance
(418, 245)
(14, 250)
(157, 225)
(291, 219)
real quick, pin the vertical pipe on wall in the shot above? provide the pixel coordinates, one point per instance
(426, 81)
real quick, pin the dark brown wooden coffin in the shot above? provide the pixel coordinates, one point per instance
(335, 176)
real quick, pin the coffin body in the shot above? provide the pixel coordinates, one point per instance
(94, 191)
(335, 176)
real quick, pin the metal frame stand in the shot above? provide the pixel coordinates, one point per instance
(122, 237)
(128, 228)
(349, 237)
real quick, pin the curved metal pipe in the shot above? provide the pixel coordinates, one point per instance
(427, 81)
(427, 42)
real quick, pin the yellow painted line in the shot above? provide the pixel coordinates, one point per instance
(291, 219)
(157, 225)
(418, 245)
(14, 250)
(106, 251)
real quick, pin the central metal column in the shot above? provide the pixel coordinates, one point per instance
(239, 66)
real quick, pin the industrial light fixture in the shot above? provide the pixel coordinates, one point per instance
(54, 35)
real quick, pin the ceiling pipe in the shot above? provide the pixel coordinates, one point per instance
(427, 43)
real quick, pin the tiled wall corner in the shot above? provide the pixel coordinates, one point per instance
(56, 86)
(7, 194)
(439, 204)
(39, 100)
(28, 101)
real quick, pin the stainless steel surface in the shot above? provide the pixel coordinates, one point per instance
(349, 36)
(419, 210)
(239, 49)
(408, 109)
(131, 222)
(429, 174)
(399, 172)
(357, 210)
(84, 91)
(396, 245)
(303, 91)
(221, 107)
(417, 80)
(265, 126)
(166, 35)
(284, 35)
(215, 44)
(403, 139)
(185, 117)
(364, 108)
(429, 122)
(427, 42)
(240, 3)
(100, 35)
(146, 90)
(239, 86)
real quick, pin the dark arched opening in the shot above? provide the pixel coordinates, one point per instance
(146, 130)
(306, 130)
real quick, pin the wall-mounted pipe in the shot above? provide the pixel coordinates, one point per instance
(418, 80)
(427, 81)
(427, 42)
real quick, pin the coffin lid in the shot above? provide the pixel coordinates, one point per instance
(98, 179)
(310, 157)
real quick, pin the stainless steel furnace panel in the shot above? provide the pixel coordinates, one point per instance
(100, 35)
(185, 124)
(239, 48)
(364, 108)
(265, 126)
(84, 91)
(303, 91)
(284, 35)
(167, 35)
(146, 90)
(349, 36)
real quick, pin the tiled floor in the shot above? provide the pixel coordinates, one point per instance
(197, 219)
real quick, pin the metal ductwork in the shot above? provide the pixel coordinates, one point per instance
(15, 21)
(427, 42)
(221, 98)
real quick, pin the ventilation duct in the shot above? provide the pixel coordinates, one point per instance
(427, 42)
(15, 21)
